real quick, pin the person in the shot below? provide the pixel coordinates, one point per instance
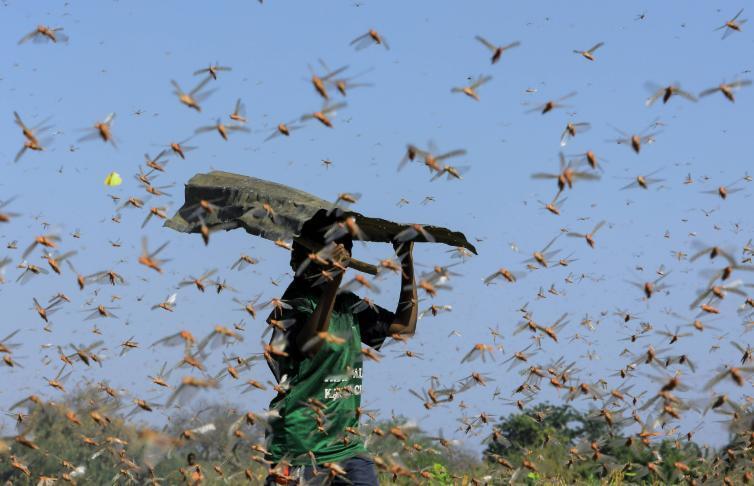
(192, 475)
(314, 416)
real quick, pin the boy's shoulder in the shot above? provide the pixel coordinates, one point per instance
(347, 299)
(345, 302)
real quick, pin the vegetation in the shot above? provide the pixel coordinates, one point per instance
(89, 438)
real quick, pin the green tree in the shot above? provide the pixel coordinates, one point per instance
(538, 426)
(86, 438)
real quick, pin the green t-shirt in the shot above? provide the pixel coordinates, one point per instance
(332, 377)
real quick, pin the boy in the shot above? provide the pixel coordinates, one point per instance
(309, 437)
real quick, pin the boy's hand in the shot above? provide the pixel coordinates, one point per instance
(403, 249)
(340, 257)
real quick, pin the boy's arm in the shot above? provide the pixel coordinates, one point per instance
(408, 305)
(319, 320)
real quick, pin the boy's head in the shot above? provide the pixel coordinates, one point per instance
(314, 231)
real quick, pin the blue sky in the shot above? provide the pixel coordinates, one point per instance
(122, 55)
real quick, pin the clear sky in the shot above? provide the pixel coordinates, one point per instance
(122, 55)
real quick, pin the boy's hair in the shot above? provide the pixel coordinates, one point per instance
(314, 230)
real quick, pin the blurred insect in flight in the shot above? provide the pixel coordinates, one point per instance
(567, 175)
(45, 312)
(100, 311)
(193, 97)
(731, 25)
(319, 82)
(48, 241)
(571, 130)
(431, 161)
(413, 232)
(154, 163)
(727, 89)
(168, 304)
(550, 105)
(222, 129)
(718, 292)
(324, 114)
(149, 259)
(470, 90)
(554, 205)
(543, 256)
(284, 129)
(649, 288)
(643, 181)
(635, 141)
(54, 260)
(343, 85)
(44, 33)
(370, 38)
(589, 53)
(102, 130)
(344, 200)
(155, 211)
(212, 70)
(589, 237)
(497, 51)
(239, 112)
(179, 148)
(31, 135)
(198, 282)
(6, 217)
(666, 92)
(725, 191)
(590, 158)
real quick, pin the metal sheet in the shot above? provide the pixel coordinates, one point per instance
(238, 196)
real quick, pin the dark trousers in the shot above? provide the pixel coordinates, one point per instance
(360, 471)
